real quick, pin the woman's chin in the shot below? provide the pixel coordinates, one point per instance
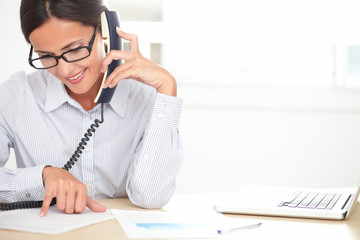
(76, 90)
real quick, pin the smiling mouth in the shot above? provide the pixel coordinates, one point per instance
(77, 78)
(73, 78)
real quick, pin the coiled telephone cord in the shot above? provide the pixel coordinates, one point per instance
(84, 141)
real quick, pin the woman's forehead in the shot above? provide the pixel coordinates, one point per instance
(56, 33)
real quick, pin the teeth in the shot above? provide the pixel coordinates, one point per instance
(73, 78)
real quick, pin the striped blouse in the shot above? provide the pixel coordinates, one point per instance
(136, 152)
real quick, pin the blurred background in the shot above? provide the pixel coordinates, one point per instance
(270, 87)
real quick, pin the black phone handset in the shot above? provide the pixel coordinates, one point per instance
(109, 22)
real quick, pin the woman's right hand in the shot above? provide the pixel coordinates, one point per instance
(70, 193)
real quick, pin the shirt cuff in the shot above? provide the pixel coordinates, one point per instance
(29, 184)
(166, 110)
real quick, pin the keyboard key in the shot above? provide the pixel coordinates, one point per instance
(333, 201)
(314, 203)
(308, 200)
(289, 199)
(299, 199)
(325, 202)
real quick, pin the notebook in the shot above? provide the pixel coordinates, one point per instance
(323, 203)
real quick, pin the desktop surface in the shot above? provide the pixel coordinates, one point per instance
(271, 228)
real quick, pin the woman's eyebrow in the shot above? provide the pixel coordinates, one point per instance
(70, 44)
(62, 49)
(42, 52)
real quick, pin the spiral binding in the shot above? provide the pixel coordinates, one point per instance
(67, 167)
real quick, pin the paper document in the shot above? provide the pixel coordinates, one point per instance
(55, 221)
(150, 224)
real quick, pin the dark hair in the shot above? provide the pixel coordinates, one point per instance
(33, 13)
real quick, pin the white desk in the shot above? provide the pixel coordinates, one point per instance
(272, 227)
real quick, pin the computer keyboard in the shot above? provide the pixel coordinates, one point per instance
(319, 200)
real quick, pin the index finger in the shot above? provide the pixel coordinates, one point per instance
(46, 204)
(114, 55)
(133, 38)
(94, 206)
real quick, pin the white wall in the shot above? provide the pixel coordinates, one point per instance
(291, 121)
(14, 49)
(287, 141)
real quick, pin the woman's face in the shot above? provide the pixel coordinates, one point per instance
(57, 36)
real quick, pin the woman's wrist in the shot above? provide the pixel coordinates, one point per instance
(44, 173)
(168, 87)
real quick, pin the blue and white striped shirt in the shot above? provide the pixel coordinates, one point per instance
(135, 152)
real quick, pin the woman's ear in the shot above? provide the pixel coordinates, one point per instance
(106, 47)
(106, 44)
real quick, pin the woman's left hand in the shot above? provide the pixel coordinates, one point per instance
(137, 67)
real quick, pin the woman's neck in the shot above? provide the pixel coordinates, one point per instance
(86, 100)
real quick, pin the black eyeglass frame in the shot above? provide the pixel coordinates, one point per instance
(89, 48)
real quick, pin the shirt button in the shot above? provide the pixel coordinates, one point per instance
(86, 150)
(164, 103)
(88, 118)
(88, 185)
(27, 195)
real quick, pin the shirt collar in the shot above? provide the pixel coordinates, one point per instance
(56, 95)
(119, 101)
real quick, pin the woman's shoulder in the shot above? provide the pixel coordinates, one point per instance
(14, 86)
(20, 84)
(135, 94)
(137, 89)
(19, 80)
(11, 95)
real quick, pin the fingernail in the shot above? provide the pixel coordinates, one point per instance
(104, 86)
(42, 214)
(117, 28)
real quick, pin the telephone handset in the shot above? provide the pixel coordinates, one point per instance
(109, 22)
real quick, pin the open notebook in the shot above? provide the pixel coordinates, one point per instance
(327, 203)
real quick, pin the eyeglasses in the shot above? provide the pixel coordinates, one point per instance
(70, 56)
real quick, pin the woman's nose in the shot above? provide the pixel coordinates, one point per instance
(64, 68)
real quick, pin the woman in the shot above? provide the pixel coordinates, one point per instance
(136, 152)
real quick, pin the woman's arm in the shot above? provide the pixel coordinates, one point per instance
(152, 174)
(22, 184)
